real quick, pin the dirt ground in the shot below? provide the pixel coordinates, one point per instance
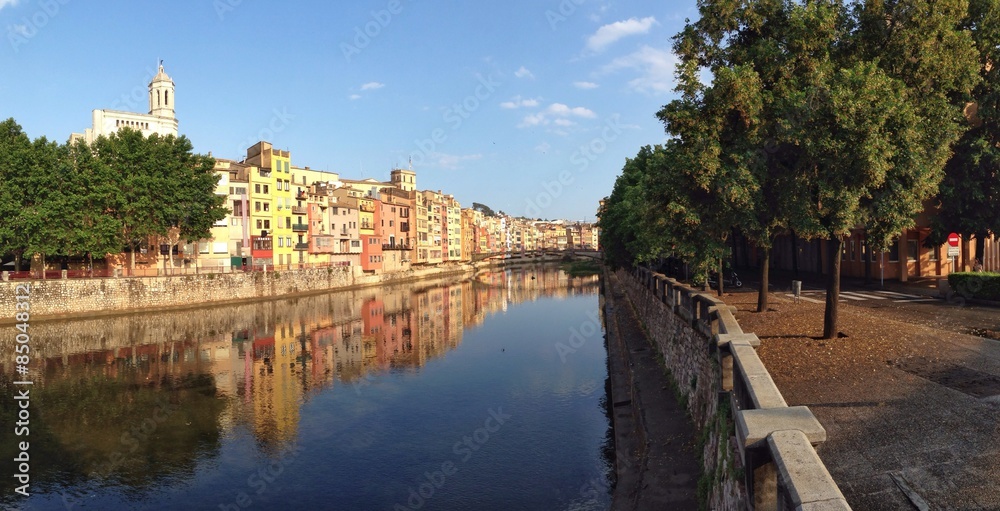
(909, 407)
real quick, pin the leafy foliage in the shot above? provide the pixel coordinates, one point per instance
(820, 117)
(77, 199)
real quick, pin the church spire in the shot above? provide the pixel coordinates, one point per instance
(161, 94)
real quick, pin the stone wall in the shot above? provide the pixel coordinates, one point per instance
(757, 452)
(83, 297)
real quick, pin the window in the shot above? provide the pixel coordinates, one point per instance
(932, 254)
(267, 224)
(267, 206)
(265, 189)
(256, 188)
(203, 247)
(854, 252)
(912, 250)
(288, 240)
(166, 98)
(288, 222)
(260, 224)
(894, 251)
(256, 206)
(281, 241)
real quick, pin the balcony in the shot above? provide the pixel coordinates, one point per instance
(300, 228)
(396, 246)
(299, 210)
(302, 246)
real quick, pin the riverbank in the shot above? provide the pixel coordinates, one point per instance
(656, 463)
(57, 299)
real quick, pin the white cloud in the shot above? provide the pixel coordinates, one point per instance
(518, 102)
(558, 114)
(533, 120)
(608, 34)
(543, 147)
(655, 67)
(585, 85)
(524, 73)
(564, 111)
(354, 97)
(450, 161)
(5, 3)
(372, 86)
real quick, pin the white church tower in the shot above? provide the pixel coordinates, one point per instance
(161, 95)
(160, 120)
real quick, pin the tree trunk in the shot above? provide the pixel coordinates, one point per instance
(43, 266)
(765, 269)
(981, 249)
(745, 252)
(722, 275)
(866, 255)
(795, 255)
(132, 257)
(833, 289)
(735, 248)
(18, 258)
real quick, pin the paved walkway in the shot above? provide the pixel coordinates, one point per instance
(912, 411)
(657, 464)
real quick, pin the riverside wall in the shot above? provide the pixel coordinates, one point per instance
(70, 298)
(757, 452)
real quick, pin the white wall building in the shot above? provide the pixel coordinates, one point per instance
(161, 118)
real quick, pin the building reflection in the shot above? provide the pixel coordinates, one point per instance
(248, 367)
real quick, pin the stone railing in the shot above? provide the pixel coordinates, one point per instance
(775, 442)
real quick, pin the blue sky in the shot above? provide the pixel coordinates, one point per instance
(530, 107)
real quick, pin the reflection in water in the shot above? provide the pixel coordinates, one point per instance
(146, 400)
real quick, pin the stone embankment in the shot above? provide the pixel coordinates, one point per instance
(69, 298)
(757, 452)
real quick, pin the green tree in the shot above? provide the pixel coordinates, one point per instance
(852, 109)
(968, 201)
(162, 188)
(16, 161)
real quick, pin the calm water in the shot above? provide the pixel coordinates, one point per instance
(483, 394)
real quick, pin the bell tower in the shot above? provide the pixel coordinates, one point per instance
(161, 95)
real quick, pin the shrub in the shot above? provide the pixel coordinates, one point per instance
(984, 286)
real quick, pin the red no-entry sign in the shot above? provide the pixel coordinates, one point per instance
(953, 239)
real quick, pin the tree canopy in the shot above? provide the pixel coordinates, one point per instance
(820, 117)
(79, 199)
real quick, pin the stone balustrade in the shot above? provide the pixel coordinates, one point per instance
(774, 443)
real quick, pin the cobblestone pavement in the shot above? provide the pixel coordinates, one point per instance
(906, 403)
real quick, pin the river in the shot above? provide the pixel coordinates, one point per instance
(487, 393)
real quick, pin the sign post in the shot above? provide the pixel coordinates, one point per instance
(953, 250)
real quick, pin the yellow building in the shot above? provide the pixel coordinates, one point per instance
(275, 184)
